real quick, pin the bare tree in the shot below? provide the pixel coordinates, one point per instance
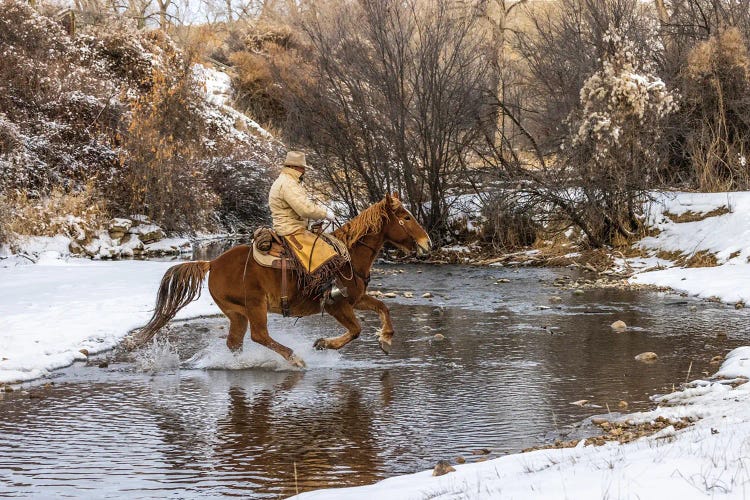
(395, 94)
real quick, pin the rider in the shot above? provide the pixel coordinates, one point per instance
(291, 207)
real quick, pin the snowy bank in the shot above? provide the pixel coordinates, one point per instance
(706, 459)
(51, 310)
(696, 229)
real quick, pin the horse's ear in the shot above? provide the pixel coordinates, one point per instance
(395, 195)
(388, 200)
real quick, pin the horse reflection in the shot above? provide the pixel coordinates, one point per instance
(267, 436)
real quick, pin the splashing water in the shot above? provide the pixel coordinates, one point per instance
(157, 356)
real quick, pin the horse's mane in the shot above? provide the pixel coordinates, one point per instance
(369, 220)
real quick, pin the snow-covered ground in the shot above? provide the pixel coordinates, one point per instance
(725, 236)
(51, 310)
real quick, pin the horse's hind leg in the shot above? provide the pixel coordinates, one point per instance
(259, 333)
(237, 330)
(344, 314)
(367, 303)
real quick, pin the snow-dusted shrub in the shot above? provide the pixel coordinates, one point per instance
(242, 182)
(119, 109)
(716, 83)
(616, 146)
(263, 50)
(163, 175)
(59, 212)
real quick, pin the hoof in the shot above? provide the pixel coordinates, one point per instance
(320, 344)
(385, 346)
(297, 361)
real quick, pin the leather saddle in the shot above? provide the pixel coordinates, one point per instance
(268, 249)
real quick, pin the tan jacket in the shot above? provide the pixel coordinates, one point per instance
(290, 205)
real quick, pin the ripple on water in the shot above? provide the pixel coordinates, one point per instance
(225, 424)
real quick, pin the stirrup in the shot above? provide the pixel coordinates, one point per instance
(337, 293)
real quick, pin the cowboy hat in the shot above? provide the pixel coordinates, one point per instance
(295, 159)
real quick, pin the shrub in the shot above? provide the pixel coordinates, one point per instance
(60, 212)
(615, 147)
(508, 226)
(162, 170)
(716, 83)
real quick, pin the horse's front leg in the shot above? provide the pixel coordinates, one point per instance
(367, 303)
(344, 314)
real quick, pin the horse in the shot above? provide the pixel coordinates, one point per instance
(246, 291)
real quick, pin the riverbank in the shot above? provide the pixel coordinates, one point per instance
(58, 311)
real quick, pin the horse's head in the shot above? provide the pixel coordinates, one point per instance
(403, 230)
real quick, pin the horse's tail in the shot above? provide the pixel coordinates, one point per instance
(180, 285)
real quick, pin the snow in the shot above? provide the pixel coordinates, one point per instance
(51, 310)
(218, 91)
(726, 236)
(705, 460)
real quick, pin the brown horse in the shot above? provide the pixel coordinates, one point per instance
(246, 291)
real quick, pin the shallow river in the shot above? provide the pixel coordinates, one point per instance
(212, 424)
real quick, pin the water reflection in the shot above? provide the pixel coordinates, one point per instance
(502, 378)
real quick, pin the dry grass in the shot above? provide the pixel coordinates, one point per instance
(674, 255)
(701, 259)
(691, 216)
(698, 259)
(48, 216)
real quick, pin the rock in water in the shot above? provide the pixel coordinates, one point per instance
(555, 299)
(427, 295)
(619, 326)
(460, 460)
(409, 295)
(439, 337)
(647, 357)
(389, 295)
(578, 292)
(442, 468)
(623, 405)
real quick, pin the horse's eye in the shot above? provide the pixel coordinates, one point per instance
(407, 218)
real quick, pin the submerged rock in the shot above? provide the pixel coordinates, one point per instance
(619, 326)
(442, 468)
(555, 299)
(623, 405)
(647, 357)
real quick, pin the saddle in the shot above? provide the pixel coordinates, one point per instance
(314, 258)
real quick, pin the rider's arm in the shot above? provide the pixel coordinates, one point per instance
(296, 196)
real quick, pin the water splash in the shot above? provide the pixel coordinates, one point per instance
(157, 356)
